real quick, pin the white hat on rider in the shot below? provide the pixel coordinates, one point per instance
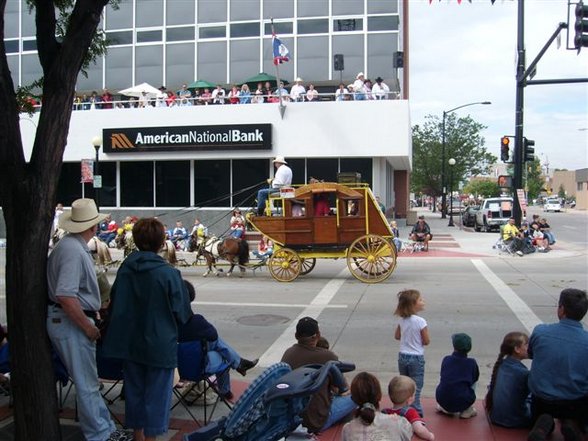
(82, 216)
(280, 159)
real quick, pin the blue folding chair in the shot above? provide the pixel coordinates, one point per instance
(192, 357)
(110, 369)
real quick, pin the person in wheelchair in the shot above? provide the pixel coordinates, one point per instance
(421, 232)
(197, 328)
(512, 237)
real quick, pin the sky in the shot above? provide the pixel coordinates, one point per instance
(464, 53)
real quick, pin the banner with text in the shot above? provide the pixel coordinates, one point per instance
(163, 139)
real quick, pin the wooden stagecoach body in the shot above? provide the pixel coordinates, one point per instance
(355, 228)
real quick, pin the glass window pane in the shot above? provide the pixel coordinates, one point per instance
(120, 18)
(120, 37)
(312, 62)
(348, 25)
(212, 61)
(136, 184)
(29, 45)
(69, 187)
(351, 46)
(359, 165)
(381, 48)
(278, 8)
(286, 69)
(179, 64)
(14, 69)
(149, 13)
(29, 28)
(245, 30)
(211, 181)
(383, 23)
(244, 60)
(316, 26)
(94, 79)
(323, 168)
(119, 67)
(313, 8)
(180, 12)
(280, 28)
(212, 11)
(298, 166)
(248, 172)
(172, 183)
(213, 32)
(180, 34)
(31, 70)
(244, 10)
(382, 6)
(149, 36)
(12, 46)
(11, 19)
(346, 7)
(149, 64)
(108, 190)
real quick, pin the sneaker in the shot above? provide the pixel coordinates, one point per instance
(571, 431)
(519, 253)
(469, 413)
(228, 396)
(439, 409)
(542, 428)
(121, 435)
(245, 365)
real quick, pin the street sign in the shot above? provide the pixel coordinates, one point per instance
(97, 181)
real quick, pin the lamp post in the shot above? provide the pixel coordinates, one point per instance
(443, 184)
(97, 142)
(451, 163)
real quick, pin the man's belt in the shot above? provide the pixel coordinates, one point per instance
(92, 314)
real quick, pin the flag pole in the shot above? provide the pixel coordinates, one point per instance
(282, 107)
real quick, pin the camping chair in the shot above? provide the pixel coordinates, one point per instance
(501, 245)
(192, 358)
(111, 370)
(62, 378)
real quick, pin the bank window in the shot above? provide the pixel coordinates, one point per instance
(172, 183)
(69, 188)
(149, 36)
(348, 25)
(312, 8)
(11, 46)
(212, 32)
(108, 190)
(212, 183)
(136, 184)
(245, 30)
(247, 173)
(383, 23)
(363, 166)
(314, 26)
(281, 28)
(180, 34)
(29, 45)
(324, 169)
(119, 37)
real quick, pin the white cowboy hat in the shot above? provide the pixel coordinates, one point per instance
(82, 216)
(359, 75)
(280, 159)
(298, 80)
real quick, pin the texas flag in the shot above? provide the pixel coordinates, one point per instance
(281, 52)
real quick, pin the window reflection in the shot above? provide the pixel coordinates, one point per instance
(136, 184)
(349, 24)
(172, 183)
(211, 183)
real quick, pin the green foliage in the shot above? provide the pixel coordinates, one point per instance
(535, 180)
(482, 187)
(562, 191)
(463, 142)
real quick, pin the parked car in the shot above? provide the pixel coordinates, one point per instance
(455, 207)
(493, 213)
(468, 218)
(552, 204)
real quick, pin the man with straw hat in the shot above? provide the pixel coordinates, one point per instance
(282, 177)
(74, 299)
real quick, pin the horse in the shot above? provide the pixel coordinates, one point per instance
(126, 242)
(101, 252)
(235, 251)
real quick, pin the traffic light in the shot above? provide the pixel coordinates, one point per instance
(581, 26)
(529, 150)
(504, 148)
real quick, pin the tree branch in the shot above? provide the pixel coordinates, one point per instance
(47, 44)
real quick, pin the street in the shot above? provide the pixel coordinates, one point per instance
(467, 287)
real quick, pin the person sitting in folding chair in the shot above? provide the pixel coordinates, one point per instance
(512, 237)
(197, 328)
(421, 232)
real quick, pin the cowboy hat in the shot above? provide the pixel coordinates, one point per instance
(298, 80)
(82, 216)
(359, 75)
(280, 159)
(379, 80)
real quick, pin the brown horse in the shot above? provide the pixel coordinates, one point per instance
(235, 251)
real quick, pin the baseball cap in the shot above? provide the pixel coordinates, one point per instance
(307, 327)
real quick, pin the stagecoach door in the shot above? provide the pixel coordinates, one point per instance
(325, 230)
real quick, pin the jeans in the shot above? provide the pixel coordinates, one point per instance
(549, 236)
(413, 366)
(148, 392)
(262, 196)
(78, 354)
(341, 406)
(107, 237)
(237, 234)
(359, 96)
(219, 353)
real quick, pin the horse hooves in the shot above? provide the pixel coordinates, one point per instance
(229, 274)
(205, 275)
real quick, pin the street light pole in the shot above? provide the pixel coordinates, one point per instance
(451, 164)
(97, 142)
(443, 142)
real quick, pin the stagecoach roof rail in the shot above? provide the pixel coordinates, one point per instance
(344, 191)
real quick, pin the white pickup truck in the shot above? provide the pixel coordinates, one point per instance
(493, 213)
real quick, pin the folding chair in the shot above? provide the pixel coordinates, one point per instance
(62, 378)
(192, 367)
(111, 370)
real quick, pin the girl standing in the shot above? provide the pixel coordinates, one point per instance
(507, 400)
(413, 333)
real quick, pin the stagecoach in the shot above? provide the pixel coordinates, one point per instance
(352, 226)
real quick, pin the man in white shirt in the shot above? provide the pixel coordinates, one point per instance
(218, 95)
(297, 92)
(380, 90)
(282, 177)
(358, 87)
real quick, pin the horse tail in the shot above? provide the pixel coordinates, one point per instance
(243, 252)
(171, 252)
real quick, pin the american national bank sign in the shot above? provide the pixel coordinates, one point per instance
(163, 139)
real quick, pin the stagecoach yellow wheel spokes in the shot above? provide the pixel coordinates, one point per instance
(284, 265)
(308, 264)
(371, 258)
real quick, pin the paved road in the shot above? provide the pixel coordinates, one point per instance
(467, 286)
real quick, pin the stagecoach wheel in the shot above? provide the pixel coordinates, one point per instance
(284, 265)
(308, 264)
(371, 258)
